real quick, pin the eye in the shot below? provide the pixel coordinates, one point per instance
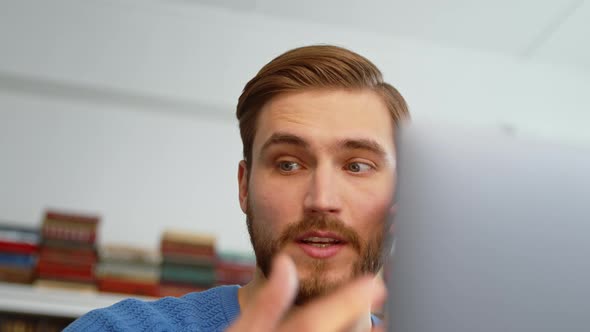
(288, 166)
(358, 167)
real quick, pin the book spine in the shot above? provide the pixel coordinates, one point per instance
(87, 219)
(68, 255)
(177, 289)
(20, 260)
(167, 247)
(189, 261)
(196, 277)
(129, 287)
(18, 247)
(66, 272)
(56, 232)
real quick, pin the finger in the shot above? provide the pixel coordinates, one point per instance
(379, 302)
(393, 209)
(380, 295)
(277, 296)
(274, 299)
(337, 311)
(378, 329)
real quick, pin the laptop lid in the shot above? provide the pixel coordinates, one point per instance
(492, 233)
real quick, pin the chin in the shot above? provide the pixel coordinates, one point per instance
(324, 273)
(316, 284)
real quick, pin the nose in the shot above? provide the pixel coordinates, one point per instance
(323, 194)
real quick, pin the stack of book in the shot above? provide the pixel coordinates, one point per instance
(128, 269)
(233, 268)
(188, 262)
(18, 253)
(68, 253)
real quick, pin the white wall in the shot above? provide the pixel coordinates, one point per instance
(141, 170)
(125, 107)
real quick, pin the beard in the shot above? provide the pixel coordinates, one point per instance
(266, 246)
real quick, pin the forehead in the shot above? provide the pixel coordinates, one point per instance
(323, 116)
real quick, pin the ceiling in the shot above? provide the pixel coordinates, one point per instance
(553, 31)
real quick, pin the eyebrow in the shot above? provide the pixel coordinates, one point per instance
(283, 138)
(363, 144)
(348, 144)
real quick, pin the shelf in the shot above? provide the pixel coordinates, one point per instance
(16, 298)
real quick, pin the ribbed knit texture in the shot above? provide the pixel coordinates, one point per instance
(211, 310)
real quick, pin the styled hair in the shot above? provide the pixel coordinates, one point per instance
(312, 67)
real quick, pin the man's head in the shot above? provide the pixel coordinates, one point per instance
(318, 175)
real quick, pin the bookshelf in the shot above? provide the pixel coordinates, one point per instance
(29, 300)
(57, 274)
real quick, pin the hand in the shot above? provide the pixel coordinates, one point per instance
(345, 309)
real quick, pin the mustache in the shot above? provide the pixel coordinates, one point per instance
(320, 222)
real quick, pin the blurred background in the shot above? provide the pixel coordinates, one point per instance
(125, 108)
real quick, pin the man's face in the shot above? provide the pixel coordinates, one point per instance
(321, 185)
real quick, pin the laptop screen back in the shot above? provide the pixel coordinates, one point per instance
(492, 234)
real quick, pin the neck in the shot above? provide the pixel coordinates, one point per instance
(247, 293)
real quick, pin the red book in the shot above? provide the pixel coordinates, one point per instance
(177, 290)
(114, 285)
(70, 217)
(179, 248)
(233, 274)
(52, 270)
(56, 232)
(18, 247)
(83, 256)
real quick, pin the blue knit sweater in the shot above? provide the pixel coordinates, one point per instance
(211, 310)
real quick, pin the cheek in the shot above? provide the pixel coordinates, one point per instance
(375, 211)
(274, 206)
(372, 209)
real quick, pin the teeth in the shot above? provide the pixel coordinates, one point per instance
(319, 240)
(320, 245)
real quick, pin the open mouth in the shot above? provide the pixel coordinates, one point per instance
(320, 242)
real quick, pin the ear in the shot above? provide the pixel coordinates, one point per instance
(243, 185)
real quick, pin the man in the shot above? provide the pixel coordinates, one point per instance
(317, 185)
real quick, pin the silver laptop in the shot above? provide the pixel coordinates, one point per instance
(492, 233)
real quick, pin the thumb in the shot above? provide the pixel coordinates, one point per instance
(266, 310)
